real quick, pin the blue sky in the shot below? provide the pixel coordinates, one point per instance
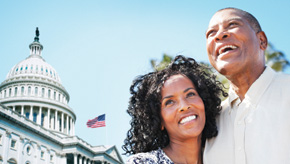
(99, 46)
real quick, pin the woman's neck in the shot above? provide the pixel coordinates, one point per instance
(184, 152)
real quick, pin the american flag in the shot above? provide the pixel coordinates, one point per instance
(97, 122)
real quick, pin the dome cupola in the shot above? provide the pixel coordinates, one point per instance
(34, 66)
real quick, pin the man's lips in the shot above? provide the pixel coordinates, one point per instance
(225, 48)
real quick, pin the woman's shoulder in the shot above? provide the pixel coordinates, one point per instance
(152, 157)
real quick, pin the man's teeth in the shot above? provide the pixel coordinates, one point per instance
(187, 119)
(222, 50)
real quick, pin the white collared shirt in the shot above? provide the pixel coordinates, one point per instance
(256, 130)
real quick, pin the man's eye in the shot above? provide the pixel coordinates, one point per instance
(209, 33)
(190, 94)
(233, 23)
(168, 102)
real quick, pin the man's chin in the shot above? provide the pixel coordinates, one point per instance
(225, 69)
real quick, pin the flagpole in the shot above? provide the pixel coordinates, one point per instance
(106, 136)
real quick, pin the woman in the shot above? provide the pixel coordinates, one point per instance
(173, 112)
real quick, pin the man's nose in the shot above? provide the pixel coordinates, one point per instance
(221, 35)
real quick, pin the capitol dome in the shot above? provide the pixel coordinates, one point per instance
(33, 89)
(34, 67)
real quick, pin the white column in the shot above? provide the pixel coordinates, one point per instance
(22, 110)
(39, 116)
(56, 121)
(70, 123)
(62, 122)
(67, 125)
(48, 119)
(80, 160)
(52, 123)
(74, 132)
(31, 113)
(73, 127)
(75, 158)
(13, 108)
(85, 161)
(20, 146)
(6, 145)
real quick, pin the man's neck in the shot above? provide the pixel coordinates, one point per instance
(241, 83)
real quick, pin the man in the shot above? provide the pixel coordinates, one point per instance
(254, 125)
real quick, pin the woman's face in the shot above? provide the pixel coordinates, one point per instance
(182, 109)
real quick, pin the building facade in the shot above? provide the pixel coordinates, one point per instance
(36, 124)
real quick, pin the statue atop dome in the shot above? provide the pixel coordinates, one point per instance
(36, 38)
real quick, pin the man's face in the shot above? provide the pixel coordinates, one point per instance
(232, 44)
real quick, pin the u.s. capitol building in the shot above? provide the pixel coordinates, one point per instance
(36, 124)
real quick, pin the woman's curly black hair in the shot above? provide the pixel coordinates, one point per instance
(145, 133)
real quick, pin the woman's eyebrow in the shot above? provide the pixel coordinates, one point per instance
(166, 97)
(188, 89)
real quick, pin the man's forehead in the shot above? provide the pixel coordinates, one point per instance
(225, 15)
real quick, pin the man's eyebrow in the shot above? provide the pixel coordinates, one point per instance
(235, 18)
(227, 20)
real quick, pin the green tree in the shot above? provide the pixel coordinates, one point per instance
(275, 59)
(157, 66)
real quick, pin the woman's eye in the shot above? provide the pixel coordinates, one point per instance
(168, 102)
(190, 94)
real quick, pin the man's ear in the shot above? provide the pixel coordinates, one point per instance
(263, 40)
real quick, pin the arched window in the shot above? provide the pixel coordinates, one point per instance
(42, 155)
(54, 95)
(49, 93)
(36, 91)
(29, 90)
(15, 91)
(42, 92)
(28, 150)
(5, 93)
(10, 90)
(22, 90)
(12, 161)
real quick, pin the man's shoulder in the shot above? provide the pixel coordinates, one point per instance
(281, 80)
(225, 105)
